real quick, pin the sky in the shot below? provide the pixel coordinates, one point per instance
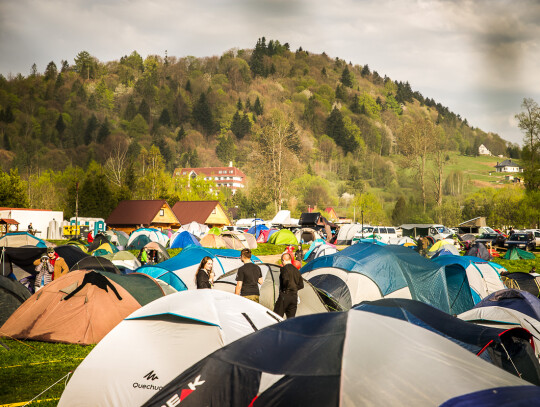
(478, 58)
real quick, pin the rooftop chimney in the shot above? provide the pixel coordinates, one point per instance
(230, 163)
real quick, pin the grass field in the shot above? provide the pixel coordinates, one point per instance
(27, 368)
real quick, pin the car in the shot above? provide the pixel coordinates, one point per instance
(536, 234)
(495, 239)
(521, 240)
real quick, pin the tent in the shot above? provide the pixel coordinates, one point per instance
(483, 276)
(346, 233)
(236, 240)
(352, 358)
(320, 250)
(529, 282)
(479, 250)
(215, 231)
(364, 272)
(180, 270)
(440, 244)
(153, 235)
(183, 239)
(256, 230)
(283, 217)
(99, 240)
(162, 253)
(446, 250)
(12, 295)
(306, 235)
(124, 261)
(517, 254)
(81, 307)
(284, 236)
(95, 263)
(104, 249)
(504, 318)
(510, 348)
(195, 228)
(403, 241)
(213, 241)
(518, 300)
(310, 300)
(265, 235)
(19, 239)
(168, 335)
(138, 242)
(77, 243)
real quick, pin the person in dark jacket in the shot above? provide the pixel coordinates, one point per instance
(205, 273)
(290, 281)
(248, 278)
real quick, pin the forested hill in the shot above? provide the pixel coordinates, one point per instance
(119, 128)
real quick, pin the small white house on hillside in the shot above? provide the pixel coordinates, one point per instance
(508, 166)
(483, 150)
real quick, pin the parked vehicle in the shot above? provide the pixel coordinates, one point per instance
(495, 239)
(521, 240)
(385, 232)
(438, 232)
(536, 234)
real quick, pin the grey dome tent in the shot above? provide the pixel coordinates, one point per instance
(12, 295)
(352, 358)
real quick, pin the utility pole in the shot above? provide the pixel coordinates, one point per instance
(77, 210)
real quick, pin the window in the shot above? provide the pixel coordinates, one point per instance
(391, 230)
(162, 212)
(382, 230)
(214, 211)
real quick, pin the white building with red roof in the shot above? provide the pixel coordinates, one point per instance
(224, 177)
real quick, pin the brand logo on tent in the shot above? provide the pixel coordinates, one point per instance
(150, 375)
(176, 398)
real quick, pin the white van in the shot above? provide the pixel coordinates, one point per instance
(387, 233)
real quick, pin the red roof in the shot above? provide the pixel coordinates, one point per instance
(10, 221)
(198, 211)
(135, 212)
(24, 209)
(210, 171)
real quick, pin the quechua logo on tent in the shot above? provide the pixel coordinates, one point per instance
(150, 376)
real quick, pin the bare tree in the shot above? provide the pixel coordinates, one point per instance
(529, 122)
(278, 145)
(416, 141)
(116, 164)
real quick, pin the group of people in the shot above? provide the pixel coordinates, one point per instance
(249, 277)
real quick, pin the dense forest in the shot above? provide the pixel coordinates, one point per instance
(308, 130)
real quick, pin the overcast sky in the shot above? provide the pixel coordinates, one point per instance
(479, 58)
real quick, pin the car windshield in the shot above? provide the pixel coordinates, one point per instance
(520, 238)
(489, 236)
(443, 229)
(368, 229)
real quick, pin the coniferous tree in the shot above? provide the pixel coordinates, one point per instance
(203, 115)
(365, 70)
(131, 109)
(257, 107)
(60, 126)
(50, 71)
(399, 214)
(236, 125)
(144, 111)
(188, 86)
(91, 127)
(104, 131)
(165, 118)
(181, 134)
(239, 105)
(341, 93)
(7, 142)
(346, 77)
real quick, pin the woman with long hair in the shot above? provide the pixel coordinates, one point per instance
(205, 273)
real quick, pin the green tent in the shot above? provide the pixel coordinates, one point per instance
(518, 254)
(284, 236)
(215, 231)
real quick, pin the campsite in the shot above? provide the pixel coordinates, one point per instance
(75, 337)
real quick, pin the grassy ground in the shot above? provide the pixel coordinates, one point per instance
(519, 265)
(29, 367)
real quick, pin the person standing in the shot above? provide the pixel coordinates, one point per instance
(60, 266)
(290, 281)
(45, 272)
(205, 273)
(248, 278)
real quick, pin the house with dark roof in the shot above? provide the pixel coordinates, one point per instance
(508, 166)
(209, 213)
(130, 215)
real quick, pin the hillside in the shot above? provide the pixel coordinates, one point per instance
(350, 134)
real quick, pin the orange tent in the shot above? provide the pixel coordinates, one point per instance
(81, 307)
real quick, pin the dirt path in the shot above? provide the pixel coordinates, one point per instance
(271, 258)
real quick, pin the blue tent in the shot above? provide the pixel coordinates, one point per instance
(14, 239)
(367, 271)
(484, 277)
(256, 230)
(183, 240)
(518, 300)
(139, 242)
(179, 271)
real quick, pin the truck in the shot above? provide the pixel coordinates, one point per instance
(437, 231)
